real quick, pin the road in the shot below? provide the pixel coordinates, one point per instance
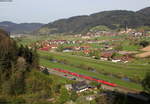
(65, 75)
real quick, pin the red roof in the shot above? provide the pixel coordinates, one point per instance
(86, 51)
(106, 55)
(45, 49)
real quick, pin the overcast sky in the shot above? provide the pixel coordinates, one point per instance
(45, 11)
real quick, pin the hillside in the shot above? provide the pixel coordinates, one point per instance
(112, 19)
(17, 74)
(5, 41)
(145, 11)
(20, 28)
(3, 34)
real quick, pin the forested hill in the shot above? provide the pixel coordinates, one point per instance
(113, 19)
(145, 11)
(20, 28)
(3, 34)
(5, 42)
(20, 80)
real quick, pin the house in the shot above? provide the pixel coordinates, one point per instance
(126, 58)
(44, 49)
(84, 47)
(86, 51)
(115, 60)
(90, 98)
(68, 87)
(68, 49)
(106, 55)
(85, 37)
(53, 46)
(77, 48)
(80, 86)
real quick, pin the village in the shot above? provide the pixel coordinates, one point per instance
(106, 46)
(107, 65)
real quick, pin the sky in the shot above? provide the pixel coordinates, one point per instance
(45, 11)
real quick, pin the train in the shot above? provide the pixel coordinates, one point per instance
(85, 77)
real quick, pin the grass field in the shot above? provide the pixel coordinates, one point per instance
(60, 80)
(130, 70)
(49, 64)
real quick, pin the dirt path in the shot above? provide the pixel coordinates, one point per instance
(146, 49)
(146, 52)
(143, 55)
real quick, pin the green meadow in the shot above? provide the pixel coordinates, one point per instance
(130, 70)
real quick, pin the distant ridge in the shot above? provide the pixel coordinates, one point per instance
(145, 11)
(112, 19)
(20, 28)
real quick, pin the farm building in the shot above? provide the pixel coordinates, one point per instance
(80, 86)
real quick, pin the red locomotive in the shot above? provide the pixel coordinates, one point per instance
(86, 77)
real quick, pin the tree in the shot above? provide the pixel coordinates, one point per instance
(100, 28)
(30, 55)
(101, 100)
(21, 64)
(18, 82)
(15, 85)
(57, 88)
(7, 88)
(73, 96)
(119, 47)
(144, 43)
(37, 82)
(60, 48)
(114, 55)
(95, 53)
(146, 83)
(35, 59)
(64, 96)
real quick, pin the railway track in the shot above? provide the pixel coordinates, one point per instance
(105, 85)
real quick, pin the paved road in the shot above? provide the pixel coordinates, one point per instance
(65, 75)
